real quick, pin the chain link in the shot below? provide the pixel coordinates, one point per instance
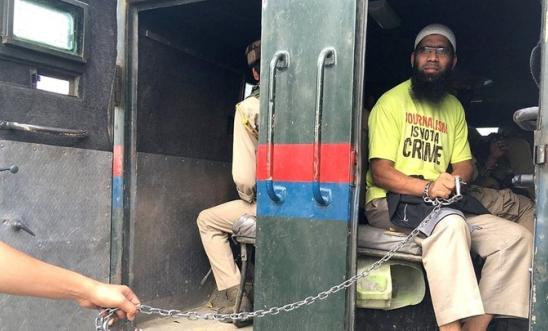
(102, 321)
(441, 201)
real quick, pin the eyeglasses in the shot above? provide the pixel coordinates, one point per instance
(439, 51)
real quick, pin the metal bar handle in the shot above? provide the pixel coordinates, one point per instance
(280, 61)
(6, 125)
(458, 183)
(18, 225)
(523, 180)
(526, 118)
(327, 58)
(13, 169)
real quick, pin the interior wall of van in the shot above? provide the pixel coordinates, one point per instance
(191, 72)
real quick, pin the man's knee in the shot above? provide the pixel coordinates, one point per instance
(453, 224)
(504, 235)
(203, 218)
(525, 240)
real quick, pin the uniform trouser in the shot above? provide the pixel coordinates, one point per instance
(506, 248)
(507, 204)
(215, 225)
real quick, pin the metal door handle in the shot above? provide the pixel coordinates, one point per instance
(18, 225)
(526, 118)
(13, 169)
(280, 61)
(327, 58)
(6, 125)
(523, 180)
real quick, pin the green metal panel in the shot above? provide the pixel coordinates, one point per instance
(301, 256)
(539, 302)
(304, 28)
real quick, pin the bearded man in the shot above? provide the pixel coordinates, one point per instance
(417, 130)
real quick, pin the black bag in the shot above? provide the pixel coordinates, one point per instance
(409, 211)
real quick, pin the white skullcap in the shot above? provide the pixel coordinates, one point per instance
(437, 29)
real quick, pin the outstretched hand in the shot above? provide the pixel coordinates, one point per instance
(101, 295)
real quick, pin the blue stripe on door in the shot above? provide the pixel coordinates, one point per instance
(117, 192)
(298, 201)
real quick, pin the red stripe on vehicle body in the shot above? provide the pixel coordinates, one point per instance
(117, 157)
(294, 163)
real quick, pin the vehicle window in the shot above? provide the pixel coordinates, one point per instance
(40, 29)
(488, 130)
(44, 25)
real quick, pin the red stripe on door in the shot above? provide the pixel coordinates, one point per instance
(117, 160)
(294, 163)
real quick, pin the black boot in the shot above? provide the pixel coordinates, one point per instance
(245, 306)
(217, 299)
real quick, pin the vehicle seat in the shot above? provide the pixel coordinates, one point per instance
(520, 155)
(397, 283)
(373, 241)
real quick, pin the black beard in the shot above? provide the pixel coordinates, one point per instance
(429, 89)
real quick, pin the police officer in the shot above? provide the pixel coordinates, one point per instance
(215, 224)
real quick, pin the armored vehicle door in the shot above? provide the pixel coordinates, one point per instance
(539, 315)
(57, 60)
(312, 71)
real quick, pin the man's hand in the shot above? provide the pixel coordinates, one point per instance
(24, 275)
(101, 295)
(442, 187)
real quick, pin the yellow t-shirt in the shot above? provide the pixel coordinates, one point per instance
(419, 137)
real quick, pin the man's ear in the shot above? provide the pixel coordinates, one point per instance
(412, 59)
(454, 61)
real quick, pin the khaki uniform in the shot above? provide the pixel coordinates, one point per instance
(244, 149)
(500, 201)
(506, 204)
(504, 285)
(215, 224)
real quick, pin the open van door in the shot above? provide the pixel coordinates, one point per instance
(539, 313)
(57, 63)
(311, 86)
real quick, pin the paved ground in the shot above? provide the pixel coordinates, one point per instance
(179, 324)
(183, 324)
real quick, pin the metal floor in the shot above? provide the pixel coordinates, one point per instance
(179, 324)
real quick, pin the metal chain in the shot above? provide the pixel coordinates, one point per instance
(441, 201)
(101, 322)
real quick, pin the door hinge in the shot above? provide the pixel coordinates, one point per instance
(540, 154)
(353, 166)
